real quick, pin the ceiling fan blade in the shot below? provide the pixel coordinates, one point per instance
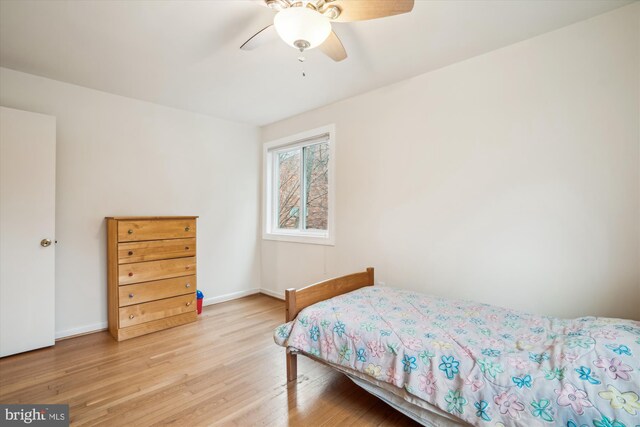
(260, 38)
(361, 10)
(333, 48)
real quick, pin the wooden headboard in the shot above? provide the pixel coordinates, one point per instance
(297, 299)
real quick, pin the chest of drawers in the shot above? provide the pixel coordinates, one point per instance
(151, 274)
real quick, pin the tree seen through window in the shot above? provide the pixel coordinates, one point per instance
(314, 180)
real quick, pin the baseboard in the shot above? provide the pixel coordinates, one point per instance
(229, 297)
(269, 292)
(81, 330)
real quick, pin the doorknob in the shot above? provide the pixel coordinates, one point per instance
(45, 243)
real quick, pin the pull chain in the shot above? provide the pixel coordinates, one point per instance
(301, 59)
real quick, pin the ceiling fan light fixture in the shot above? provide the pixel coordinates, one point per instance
(331, 12)
(277, 5)
(301, 27)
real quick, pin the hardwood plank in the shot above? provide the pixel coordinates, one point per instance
(221, 370)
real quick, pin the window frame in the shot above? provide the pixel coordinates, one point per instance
(270, 231)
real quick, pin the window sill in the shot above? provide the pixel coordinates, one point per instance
(292, 238)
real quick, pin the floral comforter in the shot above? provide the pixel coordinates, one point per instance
(485, 365)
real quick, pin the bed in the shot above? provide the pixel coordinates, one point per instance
(453, 362)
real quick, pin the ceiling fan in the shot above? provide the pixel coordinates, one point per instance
(306, 24)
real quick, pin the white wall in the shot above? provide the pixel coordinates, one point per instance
(119, 156)
(510, 178)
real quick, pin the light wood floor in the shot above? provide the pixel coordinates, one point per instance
(222, 370)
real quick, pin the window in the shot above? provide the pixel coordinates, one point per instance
(298, 191)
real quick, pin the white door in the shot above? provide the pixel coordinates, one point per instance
(27, 224)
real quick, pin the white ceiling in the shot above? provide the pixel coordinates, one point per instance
(185, 54)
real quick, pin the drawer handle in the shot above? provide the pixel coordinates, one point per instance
(130, 274)
(186, 248)
(131, 316)
(130, 253)
(130, 295)
(187, 267)
(188, 285)
(187, 228)
(189, 303)
(130, 231)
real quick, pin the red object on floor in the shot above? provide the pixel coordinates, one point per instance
(200, 297)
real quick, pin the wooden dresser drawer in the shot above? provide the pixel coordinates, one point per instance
(140, 313)
(159, 289)
(155, 250)
(138, 230)
(155, 270)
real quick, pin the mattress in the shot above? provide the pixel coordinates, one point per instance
(476, 363)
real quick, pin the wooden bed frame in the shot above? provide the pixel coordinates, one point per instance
(297, 299)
